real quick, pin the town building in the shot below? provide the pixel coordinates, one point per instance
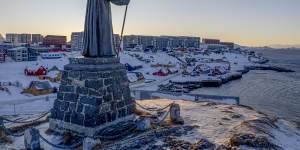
(192, 42)
(228, 44)
(18, 53)
(163, 43)
(117, 40)
(147, 42)
(37, 39)
(2, 56)
(18, 38)
(40, 49)
(5, 46)
(12, 38)
(210, 41)
(131, 41)
(32, 54)
(176, 42)
(22, 54)
(55, 40)
(1, 38)
(24, 38)
(77, 41)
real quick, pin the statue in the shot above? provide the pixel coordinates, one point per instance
(98, 32)
(94, 92)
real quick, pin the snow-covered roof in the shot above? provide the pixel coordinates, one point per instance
(41, 85)
(17, 48)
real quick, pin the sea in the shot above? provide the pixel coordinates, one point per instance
(271, 92)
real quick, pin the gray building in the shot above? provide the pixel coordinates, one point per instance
(77, 41)
(24, 38)
(192, 42)
(1, 38)
(117, 41)
(32, 54)
(147, 41)
(23, 54)
(161, 42)
(18, 38)
(129, 41)
(18, 53)
(12, 38)
(37, 38)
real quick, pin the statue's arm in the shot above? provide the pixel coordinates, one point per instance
(120, 2)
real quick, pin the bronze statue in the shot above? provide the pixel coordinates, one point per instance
(98, 31)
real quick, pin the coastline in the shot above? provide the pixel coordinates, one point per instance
(208, 125)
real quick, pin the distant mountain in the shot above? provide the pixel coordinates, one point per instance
(284, 46)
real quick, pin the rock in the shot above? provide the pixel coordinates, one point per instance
(172, 143)
(203, 144)
(3, 137)
(175, 114)
(236, 116)
(67, 138)
(90, 143)
(251, 140)
(143, 124)
(224, 147)
(175, 144)
(32, 139)
(225, 119)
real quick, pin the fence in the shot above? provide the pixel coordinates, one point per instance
(32, 136)
(144, 95)
(27, 106)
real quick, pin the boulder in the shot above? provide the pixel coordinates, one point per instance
(143, 124)
(90, 143)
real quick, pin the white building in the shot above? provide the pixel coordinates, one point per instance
(77, 41)
(37, 39)
(12, 38)
(18, 53)
(24, 38)
(15, 38)
(1, 38)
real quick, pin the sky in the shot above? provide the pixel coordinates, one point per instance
(246, 22)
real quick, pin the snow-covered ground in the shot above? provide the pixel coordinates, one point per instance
(13, 72)
(220, 124)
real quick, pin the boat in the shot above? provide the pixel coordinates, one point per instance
(52, 55)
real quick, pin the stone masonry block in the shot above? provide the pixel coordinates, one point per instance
(94, 84)
(67, 88)
(70, 97)
(93, 92)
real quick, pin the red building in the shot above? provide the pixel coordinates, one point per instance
(55, 40)
(228, 44)
(211, 41)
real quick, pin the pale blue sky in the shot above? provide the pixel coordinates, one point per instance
(248, 22)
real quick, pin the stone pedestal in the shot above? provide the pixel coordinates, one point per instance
(94, 94)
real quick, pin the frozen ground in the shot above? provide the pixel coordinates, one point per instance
(217, 123)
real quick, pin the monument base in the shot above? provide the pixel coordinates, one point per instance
(60, 126)
(94, 94)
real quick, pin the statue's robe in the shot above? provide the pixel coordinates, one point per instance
(98, 32)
